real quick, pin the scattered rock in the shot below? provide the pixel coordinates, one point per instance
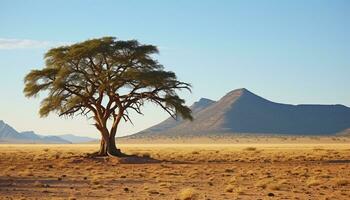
(271, 194)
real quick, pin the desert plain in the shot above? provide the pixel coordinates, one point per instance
(201, 168)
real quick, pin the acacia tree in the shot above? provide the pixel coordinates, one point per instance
(104, 79)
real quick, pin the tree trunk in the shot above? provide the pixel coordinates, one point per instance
(108, 148)
(103, 148)
(112, 148)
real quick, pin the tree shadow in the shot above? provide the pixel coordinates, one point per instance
(127, 159)
(123, 159)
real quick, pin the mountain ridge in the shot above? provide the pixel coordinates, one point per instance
(9, 135)
(76, 139)
(241, 111)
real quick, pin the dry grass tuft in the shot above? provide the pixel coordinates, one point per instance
(11, 168)
(229, 188)
(188, 194)
(27, 172)
(277, 186)
(95, 180)
(37, 183)
(313, 182)
(342, 182)
(40, 184)
(250, 149)
(262, 184)
(240, 191)
(229, 170)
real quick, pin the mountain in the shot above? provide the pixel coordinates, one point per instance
(10, 135)
(35, 138)
(76, 139)
(172, 123)
(241, 111)
(345, 132)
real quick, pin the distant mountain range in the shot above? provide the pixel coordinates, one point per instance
(10, 135)
(241, 111)
(76, 139)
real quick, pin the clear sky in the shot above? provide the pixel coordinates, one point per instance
(293, 51)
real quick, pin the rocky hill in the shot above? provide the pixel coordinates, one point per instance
(241, 111)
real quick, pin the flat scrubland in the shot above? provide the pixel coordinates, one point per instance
(251, 170)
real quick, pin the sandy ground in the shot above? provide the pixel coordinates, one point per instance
(186, 171)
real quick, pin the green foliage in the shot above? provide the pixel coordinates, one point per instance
(107, 77)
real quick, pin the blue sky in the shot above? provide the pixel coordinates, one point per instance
(294, 52)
